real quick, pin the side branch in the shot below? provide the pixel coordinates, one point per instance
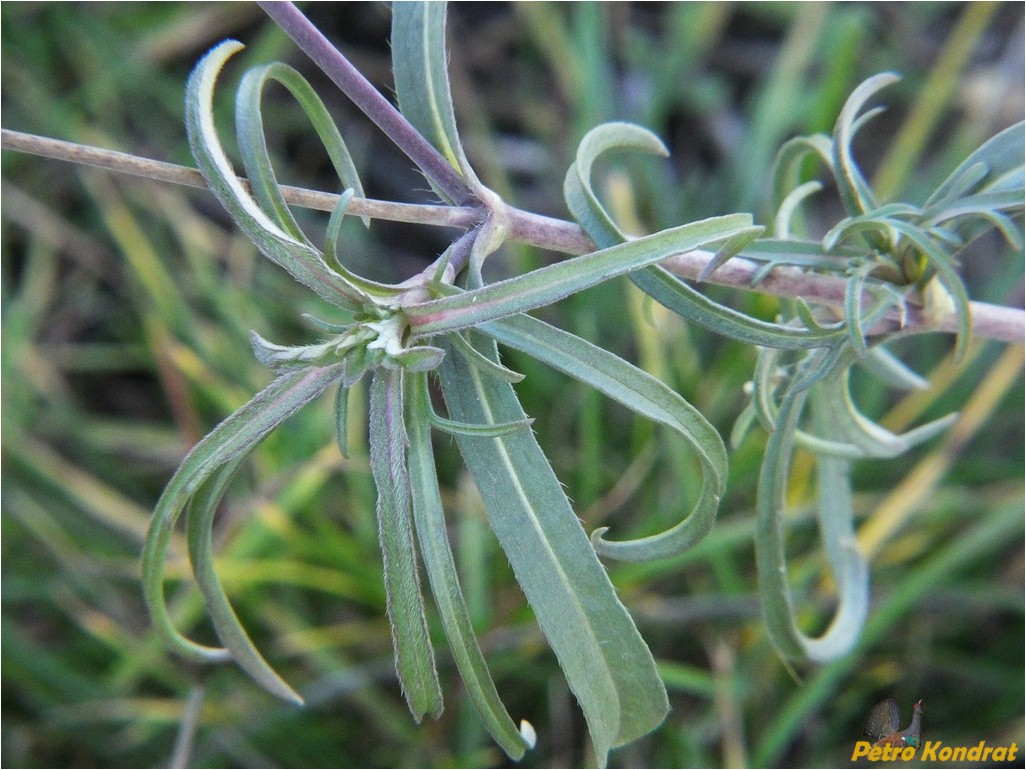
(990, 321)
(370, 101)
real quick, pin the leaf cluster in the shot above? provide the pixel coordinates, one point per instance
(444, 324)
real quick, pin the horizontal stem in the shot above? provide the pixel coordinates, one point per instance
(161, 171)
(990, 321)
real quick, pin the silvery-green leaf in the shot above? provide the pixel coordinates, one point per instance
(727, 251)
(892, 371)
(331, 328)
(476, 359)
(855, 192)
(1000, 153)
(421, 358)
(238, 434)
(848, 424)
(972, 216)
(806, 254)
(834, 513)
(654, 281)
(249, 125)
(782, 222)
(678, 296)
(607, 664)
(414, 657)
(342, 418)
(789, 160)
(302, 261)
(554, 282)
(940, 260)
(441, 571)
(421, 78)
(368, 288)
(577, 190)
(199, 524)
(644, 394)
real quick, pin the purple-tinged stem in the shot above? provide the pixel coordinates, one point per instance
(365, 96)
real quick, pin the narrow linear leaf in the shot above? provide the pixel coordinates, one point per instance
(249, 125)
(441, 571)
(689, 303)
(607, 664)
(486, 365)
(199, 524)
(837, 533)
(664, 288)
(422, 79)
(644, 394)
(892, 371)
(238, 434)
(946, 273)
(580, 196)
(366, 287)
(1000, 153)
(786, 172)
(342, 418)
(302, 261)
(554, 282)
(853, 188)
(414, 657)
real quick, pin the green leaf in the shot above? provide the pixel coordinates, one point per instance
(342, 418)
(999, 154)
(941, 261)
(835, 517)
(249, 125)
(302, 261)
(369, 289)
(644, 394)
(689, 303)
(237, 435)
(892, 371)
(786, 172)
(422, 79)
(441, 571)
(486, 365)
(664, 288)
(855, 192)
(414, 658)
(554, 282)
(607, 664)
(199, 525)
(577, 189)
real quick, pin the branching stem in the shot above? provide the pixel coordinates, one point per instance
(365, 96)
(990, 321)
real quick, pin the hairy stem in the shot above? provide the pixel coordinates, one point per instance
(365, 96)
(990, 321)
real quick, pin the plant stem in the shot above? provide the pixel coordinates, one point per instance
(443, 216)
(989, 321)
(365, 96)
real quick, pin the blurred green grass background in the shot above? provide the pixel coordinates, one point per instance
(126, 310)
